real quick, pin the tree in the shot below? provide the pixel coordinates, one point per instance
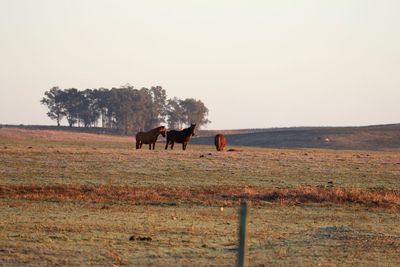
(138, 110)
(102, 106)
(175, 113)
(194, 112)
(54, 100)
(158, 107)
(87, 110)
(141, 103)
(72, 102)
(126, 109)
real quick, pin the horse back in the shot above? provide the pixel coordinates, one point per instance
(146, 138)
(177, 136)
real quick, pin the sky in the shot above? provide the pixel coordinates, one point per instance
(255, 64)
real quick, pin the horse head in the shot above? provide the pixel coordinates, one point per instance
(192, 127)
(163, 130)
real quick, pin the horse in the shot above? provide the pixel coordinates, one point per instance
(149, 137)
(181, 137)
(220, 142)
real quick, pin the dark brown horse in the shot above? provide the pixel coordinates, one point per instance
(181, 137)
(149, 137)
(220, 142)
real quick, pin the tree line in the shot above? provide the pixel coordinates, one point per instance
(125, 109)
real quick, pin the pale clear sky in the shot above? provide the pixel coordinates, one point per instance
(253, 63)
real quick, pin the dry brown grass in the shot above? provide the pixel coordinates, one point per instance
(48, 135)
(78, 200)
(221, 195)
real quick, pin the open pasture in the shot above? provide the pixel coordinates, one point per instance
(88, 199)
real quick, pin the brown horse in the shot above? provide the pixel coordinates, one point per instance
(181, 137)
(220, 142)
(149, 137)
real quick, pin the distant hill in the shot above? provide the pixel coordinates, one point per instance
(379, 137)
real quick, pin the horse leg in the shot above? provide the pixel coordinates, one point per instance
(154, 145)
(172, 145)
(150, 146)
(166, 145)
(184, 145)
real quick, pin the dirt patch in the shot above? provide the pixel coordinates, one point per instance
(140, 238)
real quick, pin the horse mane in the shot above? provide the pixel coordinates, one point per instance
(153, 130)
(186, 130)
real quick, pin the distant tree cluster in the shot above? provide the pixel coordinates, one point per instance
(125, 109)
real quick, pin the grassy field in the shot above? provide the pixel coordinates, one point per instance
(89, 199)
(376, 137)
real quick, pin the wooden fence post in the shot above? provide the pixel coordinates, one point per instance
(243, 260)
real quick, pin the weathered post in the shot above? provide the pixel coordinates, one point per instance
(243, 235)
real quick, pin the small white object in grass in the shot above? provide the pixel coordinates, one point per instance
(221, 209)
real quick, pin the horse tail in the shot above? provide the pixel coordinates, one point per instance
(137, 140)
